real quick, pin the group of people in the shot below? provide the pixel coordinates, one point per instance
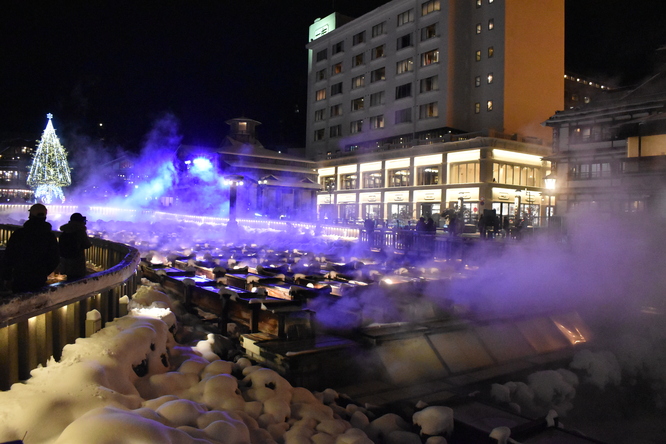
(33, 251)
(423, 226)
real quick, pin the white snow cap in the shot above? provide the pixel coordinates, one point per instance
(434, 420)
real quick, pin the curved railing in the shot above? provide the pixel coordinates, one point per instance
(36, 326)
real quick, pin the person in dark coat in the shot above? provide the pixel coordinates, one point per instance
(421, 225)
(31, 253)
(430, 226)
(74, 242)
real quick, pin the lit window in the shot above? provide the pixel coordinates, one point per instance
(477, 81)
(490, 78)
(336, 69)
(358, 81)
(478, 56)
(489, 105)
(491, 24)
(336, 110)
(406, 65)
(357, 104)
(357, 60)
(377, 122)
(478, 28)
(398, 178)
(430, 6)
(491, 51)
(320, 94)
(430, 57)
(356, 126)
(477, 108)
(377, 52)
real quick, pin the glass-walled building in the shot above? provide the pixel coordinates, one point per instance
(399, 186)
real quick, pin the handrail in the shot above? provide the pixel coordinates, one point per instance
(36, 326)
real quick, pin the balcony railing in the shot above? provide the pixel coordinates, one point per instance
(36, 326)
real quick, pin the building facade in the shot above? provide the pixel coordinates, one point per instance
(609, 156)
(419, 106)
(468, 175)
(415, 70)
(15, 158)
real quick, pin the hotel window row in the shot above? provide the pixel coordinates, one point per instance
(426, 111)
(477, 106)
(489, 79)
(459, 173)
(491, 53)
(380, 51)
(491, 26)
(480, 2)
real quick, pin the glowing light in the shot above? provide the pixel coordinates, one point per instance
(574, 336)
(49, 171)
(202, 164)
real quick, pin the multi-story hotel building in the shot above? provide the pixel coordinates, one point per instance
(418, 106)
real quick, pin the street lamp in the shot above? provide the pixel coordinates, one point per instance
(233, 181)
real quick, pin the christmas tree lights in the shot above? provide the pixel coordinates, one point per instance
(49, 171)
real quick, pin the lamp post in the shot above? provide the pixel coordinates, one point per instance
(550, 181)
(233, 181)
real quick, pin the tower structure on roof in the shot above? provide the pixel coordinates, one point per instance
(49, 171)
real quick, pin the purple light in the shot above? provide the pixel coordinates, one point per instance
(202, 164)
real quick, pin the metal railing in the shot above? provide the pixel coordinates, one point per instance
(36, 326)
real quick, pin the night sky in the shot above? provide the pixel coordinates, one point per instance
(128, 63)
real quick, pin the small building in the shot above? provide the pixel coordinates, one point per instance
(609, 156)
(274, 185)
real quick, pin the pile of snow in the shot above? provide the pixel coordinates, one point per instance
(556, 389)
(131, 382)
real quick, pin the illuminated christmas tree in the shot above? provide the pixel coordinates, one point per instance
(49, 171)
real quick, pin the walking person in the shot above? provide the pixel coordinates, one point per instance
(31, 253)
(73, 243)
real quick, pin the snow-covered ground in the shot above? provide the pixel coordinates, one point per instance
(132, 383)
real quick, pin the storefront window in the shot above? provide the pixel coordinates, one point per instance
(464, 172)
(348, 181)
(399, 178)
(373, 179)
(428, 175)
